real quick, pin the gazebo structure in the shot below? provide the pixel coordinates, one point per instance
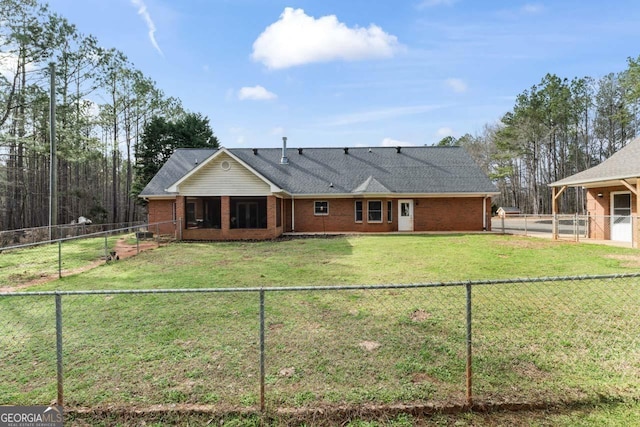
(612, 188)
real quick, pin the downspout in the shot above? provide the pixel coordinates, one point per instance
(293, 213)
(484, 213)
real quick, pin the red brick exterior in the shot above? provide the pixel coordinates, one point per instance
(599, 209)
(228, 233)
(449, 214)
(162, 211)
(430, 214)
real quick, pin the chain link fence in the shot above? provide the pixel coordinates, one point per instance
(45, 234)
(28, 263)
(618, 229)
(518, 341)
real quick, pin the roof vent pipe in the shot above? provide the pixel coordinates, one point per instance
(284, 160)
(346, 150)
(398, 149)
(300, 151)
(255, 151)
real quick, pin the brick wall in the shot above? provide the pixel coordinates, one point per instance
(449, 214)
(599, 209)
(430, 214)
(341, 217)
(228, 233)
(161, 211)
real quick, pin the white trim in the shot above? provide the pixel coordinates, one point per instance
(411, 214)
(612, 216)
(484, 213)
(315, 213)
(355, 212)
(369, 201)
(165, 197)
(392, 195)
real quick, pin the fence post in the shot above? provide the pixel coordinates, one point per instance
(59, 259)
(469, 348)
(138, 241)
(60, 399)
(525, 225)
(502, 221)
(106, 246)
(262, 373)
(158, 232)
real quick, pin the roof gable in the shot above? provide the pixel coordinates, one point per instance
(205, 176)
(371, 185)
(623, 164)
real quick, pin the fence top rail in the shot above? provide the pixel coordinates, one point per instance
(326, 288)
(85, 236)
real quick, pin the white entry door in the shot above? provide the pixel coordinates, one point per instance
(405, 215)
(621, 229)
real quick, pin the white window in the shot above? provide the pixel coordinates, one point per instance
(358, 208)
(374, 211)
(321, 207)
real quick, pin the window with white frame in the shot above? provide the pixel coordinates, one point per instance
(358, 210)
(374, 211)
(321, 207)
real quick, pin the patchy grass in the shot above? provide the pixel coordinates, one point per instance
(533, 342)
(352, 260)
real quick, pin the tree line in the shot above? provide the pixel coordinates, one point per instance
(103, 106)
(556, 128)
(115, 127)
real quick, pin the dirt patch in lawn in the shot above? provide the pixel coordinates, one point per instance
(629, 261)
(525, 242)
(121, 248)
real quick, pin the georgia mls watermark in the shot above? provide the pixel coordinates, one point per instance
(30, 416)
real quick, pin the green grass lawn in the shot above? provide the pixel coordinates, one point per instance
(353, 260)
(18, 267)
(533, 342)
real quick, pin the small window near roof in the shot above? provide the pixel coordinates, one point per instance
(374, 211)
(358, 207)
(321, 207)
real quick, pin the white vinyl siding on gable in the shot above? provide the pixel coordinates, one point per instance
(231, 180)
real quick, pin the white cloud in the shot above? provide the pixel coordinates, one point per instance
(370, 116)
(458, 85)
(142, 11)
(389, 142)
(444, 131)
(297, 39)
(431, 3)
(255, 93)
(532, 8)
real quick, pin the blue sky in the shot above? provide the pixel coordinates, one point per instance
(353, 72)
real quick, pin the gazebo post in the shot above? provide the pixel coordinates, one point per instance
(636, 231)
(554, 210)
(555, 195)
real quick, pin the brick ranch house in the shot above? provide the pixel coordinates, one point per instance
(235, 194)
(612, 188)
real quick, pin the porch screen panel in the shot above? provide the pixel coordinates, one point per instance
(248, 212)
